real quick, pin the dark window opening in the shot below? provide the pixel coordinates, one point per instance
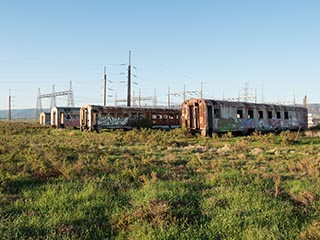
(286, 115)
(239, 114)
(270, 114)
(216, 113)
(250, 114)
(260, 113)
(278, 115)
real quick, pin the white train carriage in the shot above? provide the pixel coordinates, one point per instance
(44, 118)
(65, 117)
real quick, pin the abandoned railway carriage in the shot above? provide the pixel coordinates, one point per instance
(65, 117)
(211, 116)
(44, 118)
(94, 118)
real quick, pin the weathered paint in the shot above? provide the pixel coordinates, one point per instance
(109, 120)
(94, 117)
(44, 118)
(65, 117)
(208, 116)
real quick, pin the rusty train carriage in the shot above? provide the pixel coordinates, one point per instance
(212, 116)
(93, 117)
(65, 117)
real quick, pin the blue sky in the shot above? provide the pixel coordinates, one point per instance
(271, 45)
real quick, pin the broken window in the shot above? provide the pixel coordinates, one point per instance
(250, 114)
(216, 113)
(286, 115)
(239, 113)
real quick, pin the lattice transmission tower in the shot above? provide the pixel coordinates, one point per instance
(52, 96)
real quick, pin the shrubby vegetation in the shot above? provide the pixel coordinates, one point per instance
(147, 184)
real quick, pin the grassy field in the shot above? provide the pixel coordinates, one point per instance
(144, 184)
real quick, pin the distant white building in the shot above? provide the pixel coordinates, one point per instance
(310, 120)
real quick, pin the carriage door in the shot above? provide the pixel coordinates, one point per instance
(191, 122)
(42, 120)
(61, 118)
(94, 123)
(196, 116)
(210, 120)
(84, 119)
(53, 118)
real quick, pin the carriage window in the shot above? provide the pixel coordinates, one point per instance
(171, 116)
(141, 115)
(134, 115)
(177, 116)
(260, 113)
(216, 113)
(270, 114)
(154, 116)
(250, 114)
(286, 115)
(278, 115)
(165, 116)
(159, 116)
(239, 114)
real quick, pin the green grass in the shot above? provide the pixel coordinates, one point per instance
(145, 184)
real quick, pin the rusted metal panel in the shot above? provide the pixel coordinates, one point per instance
(225, 116)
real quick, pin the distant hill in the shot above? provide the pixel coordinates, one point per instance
(20, 113)
(314, 108)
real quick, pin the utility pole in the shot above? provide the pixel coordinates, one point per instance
(129, 82)
(139, 100)
(305, 103)
(70, 102)
(105, 88)
(201, 90)
(154, 97)
(9, 113)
